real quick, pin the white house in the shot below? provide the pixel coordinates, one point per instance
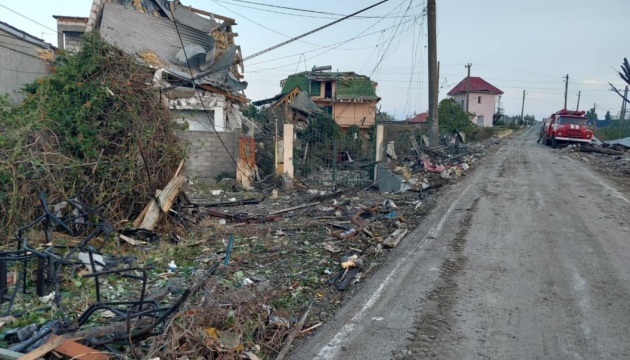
(481, 98)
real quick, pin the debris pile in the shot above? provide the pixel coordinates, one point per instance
(611, 157)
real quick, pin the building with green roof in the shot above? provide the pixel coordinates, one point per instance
(348, 97)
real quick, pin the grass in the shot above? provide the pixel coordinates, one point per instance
(617, 130)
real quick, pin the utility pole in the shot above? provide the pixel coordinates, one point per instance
(577, 108)
(523, 107)
(434, 139)
(624, 104)
(566, 88)
(467, 84)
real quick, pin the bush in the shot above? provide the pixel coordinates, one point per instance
(88, 124)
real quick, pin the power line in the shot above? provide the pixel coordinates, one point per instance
(27, 54)
(202, 74)
(378, 63)
(29, 19)
(24, 72)
(199, 94)
(302, 10)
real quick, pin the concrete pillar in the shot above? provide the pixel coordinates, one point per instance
(380, 135)
(288, 149)
(219, 118)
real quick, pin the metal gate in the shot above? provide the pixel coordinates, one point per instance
(332, 162)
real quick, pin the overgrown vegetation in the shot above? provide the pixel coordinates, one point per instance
(87, 125)
(616, 130)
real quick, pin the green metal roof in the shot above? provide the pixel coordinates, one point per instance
(348, 84)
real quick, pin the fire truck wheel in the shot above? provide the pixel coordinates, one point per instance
(554, 142)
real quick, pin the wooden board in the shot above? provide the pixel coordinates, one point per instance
(47, 347)
(166, 198)
(77, 351)
(395, 237)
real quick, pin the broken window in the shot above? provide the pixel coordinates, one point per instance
(328, 90)
(479, 100)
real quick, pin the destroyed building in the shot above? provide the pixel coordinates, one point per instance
(69, 31)
(198, 72)
(348, 97)
(296, 107)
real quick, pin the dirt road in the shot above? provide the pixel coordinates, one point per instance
(528, 258)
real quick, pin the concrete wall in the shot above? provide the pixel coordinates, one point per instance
(18, 69)
(484, 108)
(208, 157)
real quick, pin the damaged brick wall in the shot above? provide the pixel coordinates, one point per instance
(208, 157)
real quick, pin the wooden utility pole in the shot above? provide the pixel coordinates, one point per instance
(467, 85)
(523, 107)
(434, 139)
(624, 104)
(566, 89)
(577, 108)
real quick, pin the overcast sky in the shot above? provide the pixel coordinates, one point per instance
(515, 45)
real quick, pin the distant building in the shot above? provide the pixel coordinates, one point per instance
(419, 118)
(23, 58)
(482, 99)
(348, 97)
(69, 31)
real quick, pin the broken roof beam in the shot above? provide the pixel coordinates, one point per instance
(227, 94)
(206, 13)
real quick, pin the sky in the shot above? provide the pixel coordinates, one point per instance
(515, 45)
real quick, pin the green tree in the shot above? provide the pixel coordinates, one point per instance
(608, 117)
(384, 116)
(591, 115)
(452, 117)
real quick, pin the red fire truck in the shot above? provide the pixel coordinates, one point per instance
(565, 126)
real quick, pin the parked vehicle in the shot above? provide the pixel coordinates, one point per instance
(566, 126)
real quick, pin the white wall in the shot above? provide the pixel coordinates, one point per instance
(485, 108)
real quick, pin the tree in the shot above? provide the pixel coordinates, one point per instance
(607, 117)
(383, 116)
(591, 115)
(625, 75)
(529, 119)
(452, 117)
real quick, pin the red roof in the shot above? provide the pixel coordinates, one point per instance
(420, 118)
(475, 84)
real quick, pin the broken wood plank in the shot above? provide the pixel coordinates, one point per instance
(77, 351)
(296, 330)
(600, 150)
(140, 218)
(227, 94)
(179, 168)
(9, 355)
(294, 208)
(47, 347)
(166, 198)
(131, 241)
(395, 237)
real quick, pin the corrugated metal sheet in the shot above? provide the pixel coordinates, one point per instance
(187, 17)
(136, 32)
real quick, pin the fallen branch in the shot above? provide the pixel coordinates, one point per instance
(294, 208)
(296, 330)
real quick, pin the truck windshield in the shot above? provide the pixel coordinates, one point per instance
(571, 120)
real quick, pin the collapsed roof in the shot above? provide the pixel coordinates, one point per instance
(150, 30)
(349, 85)
(301, 101)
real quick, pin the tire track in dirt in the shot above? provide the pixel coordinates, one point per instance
(432, 335)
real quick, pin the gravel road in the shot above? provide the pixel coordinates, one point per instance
(527, 258)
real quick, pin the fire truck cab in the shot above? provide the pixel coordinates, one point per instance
(566, 126)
